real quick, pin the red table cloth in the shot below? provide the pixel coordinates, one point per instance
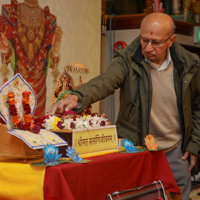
(107, 174)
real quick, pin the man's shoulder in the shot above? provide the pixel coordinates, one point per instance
(184, 53)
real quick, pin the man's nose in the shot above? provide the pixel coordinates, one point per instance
(149, 46)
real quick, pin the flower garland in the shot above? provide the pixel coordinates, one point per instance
(27, 123)
(56, 123)
(26, 107)
(13, 109)
(17, 43)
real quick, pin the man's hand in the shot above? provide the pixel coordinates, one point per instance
(193, 159)
(68, 103)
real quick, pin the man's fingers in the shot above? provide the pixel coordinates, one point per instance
(68, 103)
(193, 160)
(192, 164)
(52, 110)
(71, 106)
(186, 154)
(58, 106)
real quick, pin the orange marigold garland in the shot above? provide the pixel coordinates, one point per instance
(13, 110)
(27, 123)
(26, 107)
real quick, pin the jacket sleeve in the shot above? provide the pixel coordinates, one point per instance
(193, 144)
(103, 85)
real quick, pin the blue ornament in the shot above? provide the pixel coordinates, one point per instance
(71, 153)
(51, 154)
(129, 146)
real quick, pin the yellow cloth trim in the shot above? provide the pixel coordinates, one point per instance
(20, 181)
(100, 153)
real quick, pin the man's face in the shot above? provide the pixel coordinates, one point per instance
(155, 50)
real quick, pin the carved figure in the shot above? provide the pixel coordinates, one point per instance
(30, 41)
(194, 5)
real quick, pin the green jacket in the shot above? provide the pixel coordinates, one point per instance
(129, 72)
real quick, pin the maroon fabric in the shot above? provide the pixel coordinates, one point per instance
(106, 174)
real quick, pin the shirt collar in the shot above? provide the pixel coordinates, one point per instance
(164, 65)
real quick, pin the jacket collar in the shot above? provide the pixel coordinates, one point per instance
(138, 57)
(176, 60)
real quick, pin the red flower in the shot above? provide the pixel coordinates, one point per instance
(20, 126)
(11, 102)
(60, 125)
(13, 113)
(40, 120)
(27, 109)
(11, 94)
(90, 122)
(35, 128)
(27, 126)
(25, 93)
(72, 125)
(74, 118)
(103, 123)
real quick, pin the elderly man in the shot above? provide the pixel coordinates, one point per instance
(160, 95)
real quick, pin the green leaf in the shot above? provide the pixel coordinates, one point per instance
(42, 164)
(82, 162)
(142, 150)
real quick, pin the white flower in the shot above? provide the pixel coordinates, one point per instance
(67, 123)
(79, 123)
(48, 123)
(86, 124)
(82, 122)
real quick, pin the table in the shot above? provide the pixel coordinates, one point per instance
(106, 174)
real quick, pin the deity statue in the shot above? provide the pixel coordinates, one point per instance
(30, 41)
(194, 5)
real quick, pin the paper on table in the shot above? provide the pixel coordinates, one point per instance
(38, 141)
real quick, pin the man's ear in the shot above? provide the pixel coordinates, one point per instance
(171, 40)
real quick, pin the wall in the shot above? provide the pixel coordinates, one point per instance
(81, 24)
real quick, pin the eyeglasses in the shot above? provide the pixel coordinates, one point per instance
(154, 43)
